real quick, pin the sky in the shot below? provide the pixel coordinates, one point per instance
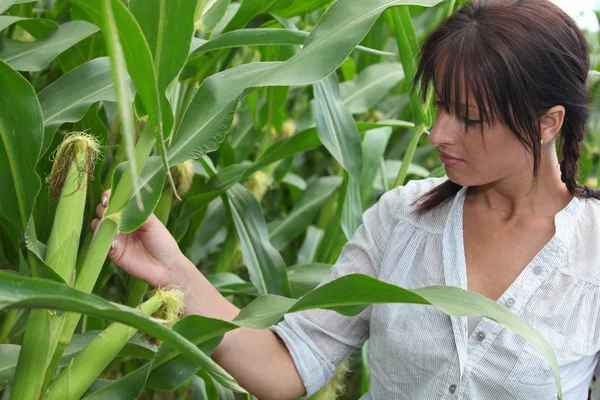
(581, 11)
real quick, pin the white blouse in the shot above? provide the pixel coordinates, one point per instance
(417, 352)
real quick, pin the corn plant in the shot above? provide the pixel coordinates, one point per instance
(258, 131)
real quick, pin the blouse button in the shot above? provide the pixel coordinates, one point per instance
(510, 302)
(480, 336)
(452, 388)
(537, 270)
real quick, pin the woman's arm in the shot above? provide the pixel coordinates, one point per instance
(257, 359)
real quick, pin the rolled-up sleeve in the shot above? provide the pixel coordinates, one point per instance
(319, 340)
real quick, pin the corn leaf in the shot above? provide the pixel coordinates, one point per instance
(168, 26)
(371, 86)
(262, 37)
(151, 187)
(21, 292)
(373, 148)
(36, 55)
(339, 134)
(265, 265)
(69, 97)
(21, 132)
(305, 209)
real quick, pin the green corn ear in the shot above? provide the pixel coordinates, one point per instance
(72, 167)
(85, 368)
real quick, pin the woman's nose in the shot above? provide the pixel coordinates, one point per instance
(445, 130)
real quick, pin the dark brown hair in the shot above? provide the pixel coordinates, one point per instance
(518, 59)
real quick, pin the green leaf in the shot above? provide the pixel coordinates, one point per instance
(6, 4)
(392, 168)
(21, 292)
(209, 116)
(407, 47)
(150, 190)
(265, 265)
(339, 134)
(124, 99)
(281, 149)
(371, 86)
(306, 277)
(248, 10)
(36, 26)
(9, 353)
(21, 132)
(262, 37)
(212, 13)
(298, 7)
(309, 247)
(373, 148)
(69, 97)
(36, 55)
(168, 26)
(140, 65)
(304, 211)
(126, 388)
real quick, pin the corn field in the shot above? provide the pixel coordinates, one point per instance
(257, 131)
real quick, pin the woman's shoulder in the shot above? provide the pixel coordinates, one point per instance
(404, 200)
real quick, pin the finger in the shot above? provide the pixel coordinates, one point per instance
(116, 248)
(104, 197)
(100, 210)
(94, 224)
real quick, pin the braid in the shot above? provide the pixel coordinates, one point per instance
(572, 135)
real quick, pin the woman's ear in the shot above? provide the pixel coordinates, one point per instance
(551, 122)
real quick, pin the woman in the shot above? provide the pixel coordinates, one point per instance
(510, 223)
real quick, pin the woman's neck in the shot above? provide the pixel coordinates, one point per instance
(520, 195)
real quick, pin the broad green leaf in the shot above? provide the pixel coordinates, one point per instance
(212, 13)
(406, 41)
(298, 7)
(21, 132)
(140, 66)
(339, 134)
(250, 9)
(304, 211)
(392, 168)
(306, 277)
(150, 190)
(281, 149)
(265, 265)
(168, 26)
(171, 375)
(6, 4)
(9, 353)
(68, 98)
(262, 37)
(350, 294)
(371, 86)
(36, 55)
(373, 148)
(209, 116)
(36, 26)
(124, 99)
(309, 247)
(126, 388)
(21, 292)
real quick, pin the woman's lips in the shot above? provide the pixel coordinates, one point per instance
(449, 160)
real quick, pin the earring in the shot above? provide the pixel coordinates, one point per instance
(542, 141)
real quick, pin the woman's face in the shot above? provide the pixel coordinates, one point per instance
(472, 158)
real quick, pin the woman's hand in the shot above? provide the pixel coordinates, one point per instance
(149, 253)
